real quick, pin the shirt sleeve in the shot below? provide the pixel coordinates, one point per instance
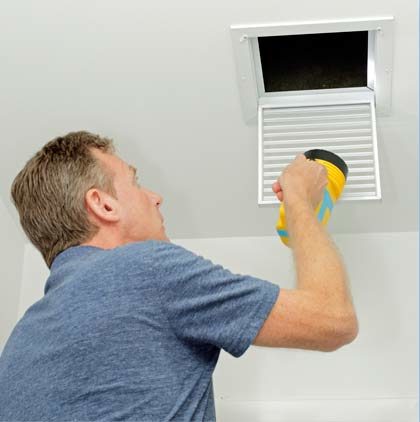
(206, 303)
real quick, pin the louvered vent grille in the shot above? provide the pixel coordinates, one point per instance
(349, 130)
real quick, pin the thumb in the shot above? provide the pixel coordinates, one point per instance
(278, 190)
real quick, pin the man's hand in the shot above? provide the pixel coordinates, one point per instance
(302, 179)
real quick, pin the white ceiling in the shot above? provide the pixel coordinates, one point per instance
(160, 80)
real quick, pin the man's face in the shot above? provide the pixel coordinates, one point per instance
(138, 206)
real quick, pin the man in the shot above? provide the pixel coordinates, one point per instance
(131, 325)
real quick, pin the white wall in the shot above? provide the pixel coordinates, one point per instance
(377, 372)
(159, 78)
(11, 252)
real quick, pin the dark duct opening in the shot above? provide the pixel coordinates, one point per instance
(314, 61)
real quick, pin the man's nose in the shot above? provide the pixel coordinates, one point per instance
(156, 198)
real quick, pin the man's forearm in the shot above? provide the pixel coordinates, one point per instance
(319, 266)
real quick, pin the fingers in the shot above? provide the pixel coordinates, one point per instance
(276, 187)
(278, 191)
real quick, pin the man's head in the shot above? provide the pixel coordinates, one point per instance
(75, 191)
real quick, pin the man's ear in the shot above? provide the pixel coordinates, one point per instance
(102, 205)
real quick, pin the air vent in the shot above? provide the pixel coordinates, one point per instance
(316, 57)
(345, 128)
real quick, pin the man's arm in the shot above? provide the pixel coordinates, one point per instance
(319, 314)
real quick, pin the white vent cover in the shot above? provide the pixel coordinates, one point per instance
(346, 128)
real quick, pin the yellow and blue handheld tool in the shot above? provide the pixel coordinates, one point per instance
(337, 171)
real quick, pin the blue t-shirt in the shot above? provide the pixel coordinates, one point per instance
(130, 333)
